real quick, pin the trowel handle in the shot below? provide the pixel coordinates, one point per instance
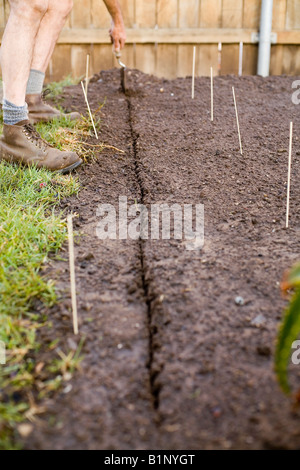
(118, 57)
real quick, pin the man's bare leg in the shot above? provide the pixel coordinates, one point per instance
(49, 30)
(20, 143)
(50, 27)
(18, 45)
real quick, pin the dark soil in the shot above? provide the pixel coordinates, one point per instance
(170, 360)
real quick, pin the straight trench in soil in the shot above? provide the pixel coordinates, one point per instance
(170, 361)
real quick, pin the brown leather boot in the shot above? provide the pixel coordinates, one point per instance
(39, 111)
(21, 143)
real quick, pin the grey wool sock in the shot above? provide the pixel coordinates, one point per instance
(35, 82)
(13, 114)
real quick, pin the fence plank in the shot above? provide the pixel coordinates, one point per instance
(232, 13)
(167, 13)
(128, 56)
(78, 60)
(6, 10)
(128, 11)
(293, 14)
(169, 36)
(288, 37)
(145, 58)
(100, 17)
(291, 60)
(81, 14)
(185, 60)
(60, 63)
(166, 64)
(279, 14)
(276, 60)
(188, 14)
(230, 59)
(102, 58)
(250, 59)
(251, 14)
(2, 15)
(206, 58)
(145, 14)
(210, 13)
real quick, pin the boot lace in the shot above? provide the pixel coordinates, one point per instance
(33, 135)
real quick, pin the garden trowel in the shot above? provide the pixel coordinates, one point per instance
(122, 71)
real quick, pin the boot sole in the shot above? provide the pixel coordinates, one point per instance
(69, 168)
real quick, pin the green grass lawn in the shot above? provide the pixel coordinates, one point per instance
(31, 230)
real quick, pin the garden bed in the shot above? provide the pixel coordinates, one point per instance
(170, 359)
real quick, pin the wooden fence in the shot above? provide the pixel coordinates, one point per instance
(161, 34)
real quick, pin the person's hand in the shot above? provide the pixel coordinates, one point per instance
(118, 35)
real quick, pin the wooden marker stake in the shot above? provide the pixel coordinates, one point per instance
(241, 49)
(289, 177)
(72, 273)
(219, 58)
(193, 74)
(237, 121)
(212, 93)
(89, 110)
(87, 73)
